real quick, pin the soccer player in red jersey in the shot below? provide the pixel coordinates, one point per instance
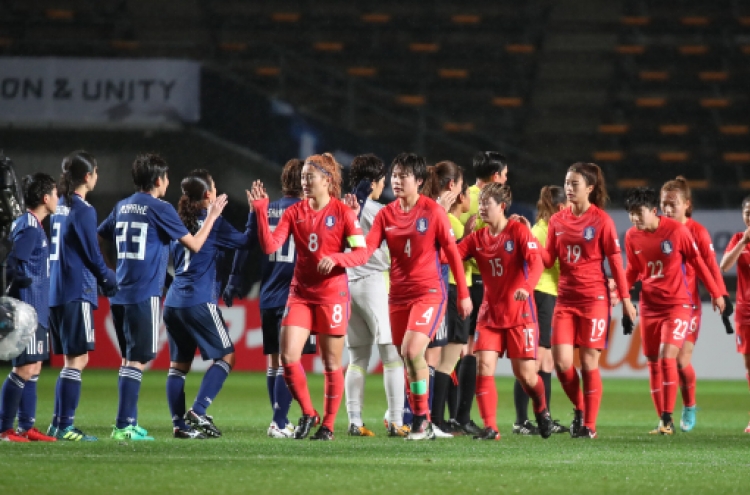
(677, 203)
(658, 250)
(738, 252)
(507, 255)
(415, 227)
(581, 237)
(319, 294)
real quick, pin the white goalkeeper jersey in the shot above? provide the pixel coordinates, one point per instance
(379, 261)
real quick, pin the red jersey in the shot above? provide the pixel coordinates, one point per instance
(743, 279)
(660, 259)
(507, 261)
(706, 249)
(414, 239)
(581, 244)
(317, 234)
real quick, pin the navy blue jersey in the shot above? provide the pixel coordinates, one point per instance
(195, 280)
(76, 264)
(141, 227)
(277, 268)
(31, 255)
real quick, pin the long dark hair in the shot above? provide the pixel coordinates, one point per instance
(438, 178)
(75, 166)
(194, 189)
(593, 176)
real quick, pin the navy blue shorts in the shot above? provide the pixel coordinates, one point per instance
(271, 325)
(137, 328)
(37, 350)
(72, 328)
(197, 327)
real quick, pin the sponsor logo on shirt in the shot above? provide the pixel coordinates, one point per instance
(509, 246)
(330, 221)
(588, 233)
(666, 247)
(422, 225)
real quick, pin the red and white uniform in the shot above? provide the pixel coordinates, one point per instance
(507, 262)
(660, 259)
(742, 309)
(317, 302)
(417, 296)
(706, 249)
(581, 243)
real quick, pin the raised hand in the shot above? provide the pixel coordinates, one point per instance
(257, 192)
(350, 200)
(446, 199)
(217, 206)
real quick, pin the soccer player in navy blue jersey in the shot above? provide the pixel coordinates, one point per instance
(190, 312)
(142, 226)
(30, 259)
(76, 267)
(277, 270)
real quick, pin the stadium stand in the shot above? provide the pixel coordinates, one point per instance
(647, 88)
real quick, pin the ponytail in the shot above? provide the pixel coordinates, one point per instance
(194, 189)
(550, 199)
(593, 176)
(680, 184)
(438, 178)
(75, 166)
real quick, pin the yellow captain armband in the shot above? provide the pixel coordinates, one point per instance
(356, 241)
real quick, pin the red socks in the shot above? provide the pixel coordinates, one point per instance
(296, 381)
(687, 385)
(669, 387)
(592, 392)
(656, 381)
(487, 400)
(537, 395)
(571, 386)
(334, 390)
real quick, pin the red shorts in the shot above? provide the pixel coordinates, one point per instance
(519, 342)
(581, 326)
(695, 327)
(743, 338)
(422, 317)
(320, 319)
(665, 328)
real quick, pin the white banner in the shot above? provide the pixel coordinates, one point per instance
(94, 91)
(715, 355)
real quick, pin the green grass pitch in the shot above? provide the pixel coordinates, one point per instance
(715, 458)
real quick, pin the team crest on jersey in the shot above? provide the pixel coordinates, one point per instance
(588, 233)
(509, 246)
(330, 221)
(422, 225)
(666, 247)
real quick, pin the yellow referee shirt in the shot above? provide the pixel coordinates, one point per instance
(548, 281)
(458, 231)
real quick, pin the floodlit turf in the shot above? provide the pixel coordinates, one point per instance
(715, 458)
